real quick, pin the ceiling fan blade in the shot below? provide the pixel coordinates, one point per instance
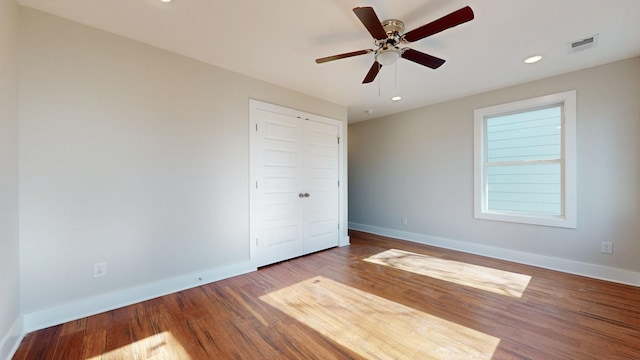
(448, 21)
(373, 72)
(370, 21)
(343, 56)
(422, 58)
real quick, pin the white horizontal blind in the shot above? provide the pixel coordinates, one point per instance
(524, 162)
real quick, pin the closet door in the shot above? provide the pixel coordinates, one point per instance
(294, 200)
(277, 207)
(321, 166)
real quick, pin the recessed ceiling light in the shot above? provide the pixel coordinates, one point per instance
(396, 98)
(532, 59)
(166, 1)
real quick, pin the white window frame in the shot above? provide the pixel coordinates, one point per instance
(568, 218)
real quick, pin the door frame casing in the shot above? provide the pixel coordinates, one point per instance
(255, 105)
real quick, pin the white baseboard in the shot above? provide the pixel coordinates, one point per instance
(10, 342)
(547, 262)
(78, 309)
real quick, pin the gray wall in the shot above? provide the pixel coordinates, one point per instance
(9, 269)
(130, 155)
(419, 165)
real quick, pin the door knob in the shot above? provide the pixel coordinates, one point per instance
(306, 195)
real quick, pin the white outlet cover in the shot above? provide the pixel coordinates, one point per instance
(99, 269)
(606, 247)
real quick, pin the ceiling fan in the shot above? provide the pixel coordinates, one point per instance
(389, 34)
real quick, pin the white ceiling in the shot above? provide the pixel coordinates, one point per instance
(278, 41)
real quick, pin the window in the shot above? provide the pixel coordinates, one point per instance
(525, 161)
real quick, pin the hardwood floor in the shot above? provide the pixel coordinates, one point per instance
(366, 302)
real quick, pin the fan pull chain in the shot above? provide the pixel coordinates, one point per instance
(395, 85)
(396, 96)
(379, 81)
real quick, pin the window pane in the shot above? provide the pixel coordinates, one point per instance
(530, 135)
(534, 189)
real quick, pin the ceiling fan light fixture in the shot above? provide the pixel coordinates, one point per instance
(388, 56)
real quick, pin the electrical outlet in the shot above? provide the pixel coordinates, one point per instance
(606, 247)
(404, 221)
(99, 269)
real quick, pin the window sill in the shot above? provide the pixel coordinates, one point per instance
(553, 221)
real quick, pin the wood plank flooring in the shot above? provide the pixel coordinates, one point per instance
(366, 302)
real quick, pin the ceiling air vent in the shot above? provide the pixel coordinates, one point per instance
(583, 44)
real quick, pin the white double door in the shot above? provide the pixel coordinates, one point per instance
(295, 199)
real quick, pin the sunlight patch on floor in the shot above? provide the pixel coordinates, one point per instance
(159, 346)
(377, 328)
(479, 277)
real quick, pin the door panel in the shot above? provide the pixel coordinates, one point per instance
(322, 174)
(279, 164)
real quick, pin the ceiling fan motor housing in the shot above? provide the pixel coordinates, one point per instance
(394, 29)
